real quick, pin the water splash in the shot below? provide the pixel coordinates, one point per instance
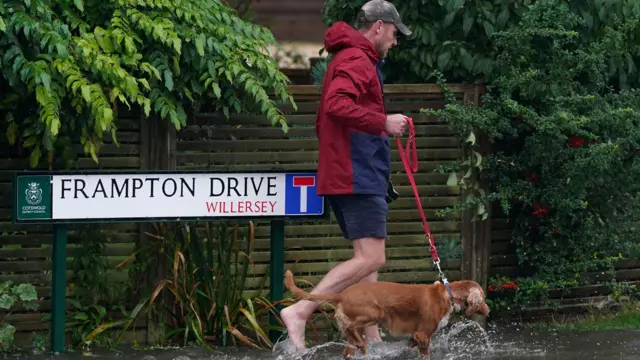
(468, 340)
(285, 350)
(461, 337)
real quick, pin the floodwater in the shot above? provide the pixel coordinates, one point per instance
(462, 340)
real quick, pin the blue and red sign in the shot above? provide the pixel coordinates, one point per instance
(301, 198)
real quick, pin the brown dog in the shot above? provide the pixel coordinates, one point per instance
(403, 309)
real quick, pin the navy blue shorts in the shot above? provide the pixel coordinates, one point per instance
(360, 215)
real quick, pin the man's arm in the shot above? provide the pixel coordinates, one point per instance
(350, 80)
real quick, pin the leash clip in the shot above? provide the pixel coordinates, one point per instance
(440, 273)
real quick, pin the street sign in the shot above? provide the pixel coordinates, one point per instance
(135, 196)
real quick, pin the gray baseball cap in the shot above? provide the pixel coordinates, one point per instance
(384, 11)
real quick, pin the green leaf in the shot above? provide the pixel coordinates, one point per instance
(6, 301)
(488, 28)
(31, 141)
(471, 138)
(107, 117)
(7, 332)
(448, 20)
(200, 40)
(45, 79)
(168, 80)
(478, 158)
(469, 173)
(12, 133)
(86, 93)
(467, 59)
(503, 17)
(443, 59)
(452, 180)
(79, 4)
(467, 23)
(3, 26)
(216, 90)
(26, 292)
(31, 305)
(34, 158)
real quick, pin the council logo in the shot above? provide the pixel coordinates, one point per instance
(33, 194)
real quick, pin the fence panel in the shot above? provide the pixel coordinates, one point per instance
(25, 250)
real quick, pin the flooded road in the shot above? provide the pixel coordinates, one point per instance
(458, 342)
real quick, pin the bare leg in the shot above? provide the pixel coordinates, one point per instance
(372, 332)
(368, 257)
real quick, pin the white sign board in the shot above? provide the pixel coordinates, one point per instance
(166, 195)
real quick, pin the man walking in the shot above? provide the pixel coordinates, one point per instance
(354, 155)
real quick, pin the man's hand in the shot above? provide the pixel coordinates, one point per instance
(396, 124)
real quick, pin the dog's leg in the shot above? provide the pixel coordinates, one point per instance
(423, 339)
(412, 342)
(353, 338)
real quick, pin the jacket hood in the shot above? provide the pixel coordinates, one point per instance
(341, 36)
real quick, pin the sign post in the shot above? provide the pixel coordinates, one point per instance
(62, 198)
(59, 287)
(276, 268)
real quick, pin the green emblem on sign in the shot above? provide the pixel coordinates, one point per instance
(33, 197)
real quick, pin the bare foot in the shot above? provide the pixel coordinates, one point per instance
(295, 326)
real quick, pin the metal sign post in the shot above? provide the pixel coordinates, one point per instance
(62, 198)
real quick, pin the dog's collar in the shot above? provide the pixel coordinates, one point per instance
(445, 282)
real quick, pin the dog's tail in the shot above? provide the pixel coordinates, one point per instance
(319, 298)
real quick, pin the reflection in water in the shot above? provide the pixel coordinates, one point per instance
(460, 341)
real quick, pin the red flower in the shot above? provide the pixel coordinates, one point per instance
(490, 288)
(539, 211)
(575, 141)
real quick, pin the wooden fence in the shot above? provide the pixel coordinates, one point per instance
(25, 250)
(248, 142)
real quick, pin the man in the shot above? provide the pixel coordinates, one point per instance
(354, 157)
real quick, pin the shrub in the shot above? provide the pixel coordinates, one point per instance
(12, 298)
(211, 269)
(563, 163)
(68, 67)
(456, 37)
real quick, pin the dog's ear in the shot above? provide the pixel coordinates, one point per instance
(475, 303)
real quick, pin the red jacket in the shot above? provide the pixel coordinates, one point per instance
(354, 155)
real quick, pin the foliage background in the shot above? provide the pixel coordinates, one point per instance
(561, 115)
(69, 66)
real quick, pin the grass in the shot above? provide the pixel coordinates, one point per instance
(625, 318)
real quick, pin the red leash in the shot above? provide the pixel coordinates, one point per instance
(410, 168)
